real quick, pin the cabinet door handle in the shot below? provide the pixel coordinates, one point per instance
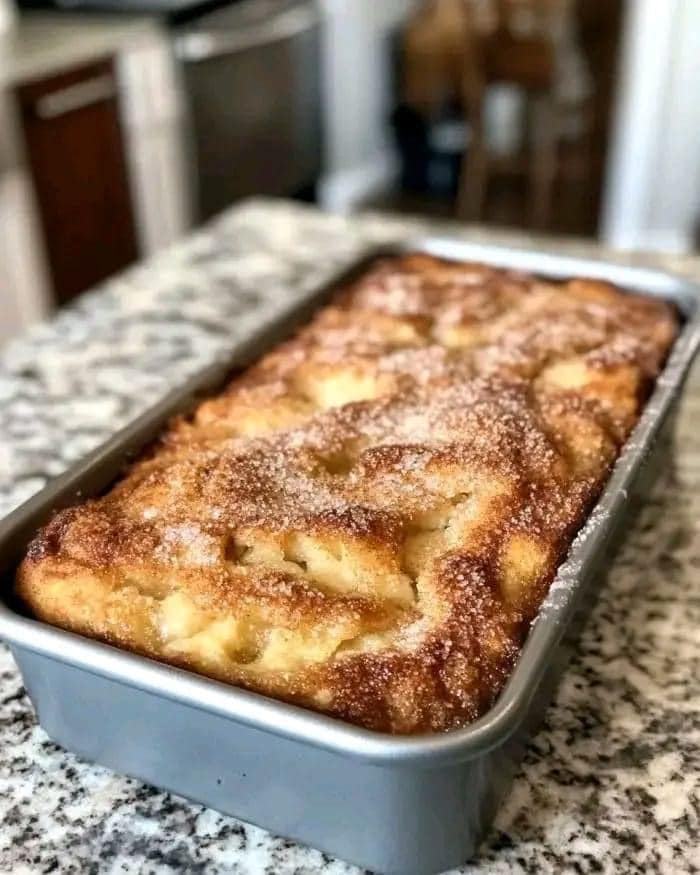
(75, 97)
(201, 45)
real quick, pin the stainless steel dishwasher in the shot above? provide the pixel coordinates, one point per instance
(251, 74)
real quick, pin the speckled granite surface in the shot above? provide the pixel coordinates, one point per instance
(612, 781)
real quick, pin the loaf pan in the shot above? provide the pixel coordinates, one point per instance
(408, 805)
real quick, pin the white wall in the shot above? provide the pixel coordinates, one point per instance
(652, 197)
(357, 97)
(7, 14)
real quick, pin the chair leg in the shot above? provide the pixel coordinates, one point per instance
(544, 160)
(473, 179)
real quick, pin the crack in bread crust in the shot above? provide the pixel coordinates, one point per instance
(367, 520)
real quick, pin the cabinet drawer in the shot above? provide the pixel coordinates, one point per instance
(76, 158)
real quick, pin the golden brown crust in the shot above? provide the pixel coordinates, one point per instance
(368, 519)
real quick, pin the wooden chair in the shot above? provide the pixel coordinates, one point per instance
(528, 61)
(438, 48)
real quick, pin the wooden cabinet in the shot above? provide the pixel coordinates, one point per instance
(76, 159)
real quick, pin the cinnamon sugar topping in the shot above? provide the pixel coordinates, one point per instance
(367, 521)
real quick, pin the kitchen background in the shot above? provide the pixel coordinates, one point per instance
(124, 123)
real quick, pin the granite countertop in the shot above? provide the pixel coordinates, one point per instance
(611, 782)
(45, 43)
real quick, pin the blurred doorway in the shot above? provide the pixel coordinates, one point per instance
(503, 110)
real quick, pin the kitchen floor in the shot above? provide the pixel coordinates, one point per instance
(574, 211)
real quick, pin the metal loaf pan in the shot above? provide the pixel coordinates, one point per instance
(404, 805)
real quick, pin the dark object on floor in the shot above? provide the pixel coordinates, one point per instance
(411, 132)
(430, 151)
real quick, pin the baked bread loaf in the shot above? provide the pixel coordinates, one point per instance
(366, 521)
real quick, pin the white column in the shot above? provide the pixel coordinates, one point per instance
(652, 192)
